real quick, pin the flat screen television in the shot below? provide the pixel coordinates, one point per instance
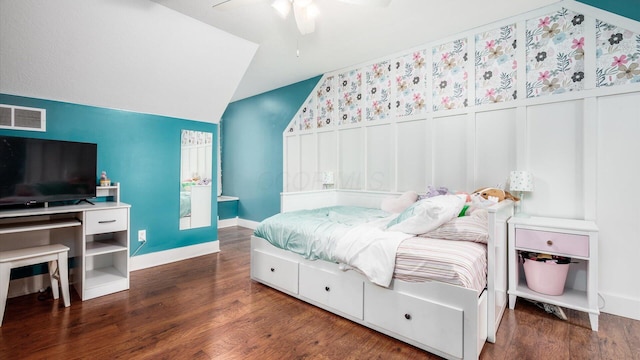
(38, 171)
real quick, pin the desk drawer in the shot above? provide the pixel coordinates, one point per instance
(553, 242)
(106, 221)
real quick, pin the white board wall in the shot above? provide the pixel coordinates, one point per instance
(581, 147)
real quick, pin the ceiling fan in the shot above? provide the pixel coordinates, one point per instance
(304, 11)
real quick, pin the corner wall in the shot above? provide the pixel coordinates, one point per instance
(252, 148)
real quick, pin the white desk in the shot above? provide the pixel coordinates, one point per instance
(97, 235)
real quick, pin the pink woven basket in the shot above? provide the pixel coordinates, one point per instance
(545, 277)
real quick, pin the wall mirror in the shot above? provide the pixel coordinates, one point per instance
(195, 179)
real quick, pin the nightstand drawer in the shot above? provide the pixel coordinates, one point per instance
(553, 242)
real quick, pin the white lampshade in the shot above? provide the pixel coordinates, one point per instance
(521, 181)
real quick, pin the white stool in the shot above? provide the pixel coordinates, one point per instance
(55, 255)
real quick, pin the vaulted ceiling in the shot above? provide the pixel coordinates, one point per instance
(345, 34)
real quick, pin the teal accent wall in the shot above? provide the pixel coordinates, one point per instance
(252, 147)
(227, 209)
(626, 8)
(142, 153)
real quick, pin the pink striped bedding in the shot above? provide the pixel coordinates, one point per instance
(462, 263)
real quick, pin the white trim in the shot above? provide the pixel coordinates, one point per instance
(620, 306)
(223, 223)
(249, 224)
(172, 255)
(28, 285)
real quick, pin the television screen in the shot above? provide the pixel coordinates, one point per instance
(36, 170)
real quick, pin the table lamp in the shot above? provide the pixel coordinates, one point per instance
(521, 181)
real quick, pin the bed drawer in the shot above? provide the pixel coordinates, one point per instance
(276, 271)
(336, 291)
(106, 221)
(553, 242)
(420, 320)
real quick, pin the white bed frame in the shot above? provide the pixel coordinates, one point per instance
(446, 320)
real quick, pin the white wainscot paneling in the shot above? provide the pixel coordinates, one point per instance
(617, 199)
(450, 152)
(309, 179)
(380, 158)
(292, 174)
(495, 150)
(414, 155)
(555, 138)
(327, 153)
(351, 147)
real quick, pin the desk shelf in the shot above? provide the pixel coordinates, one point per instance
(48, 224)
(95, 248)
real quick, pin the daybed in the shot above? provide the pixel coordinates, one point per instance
(448, 320)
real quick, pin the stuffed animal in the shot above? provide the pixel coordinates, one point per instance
(433, 191)
(485, 197)
(493, 194)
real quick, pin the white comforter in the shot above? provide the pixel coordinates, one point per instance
(369, 249)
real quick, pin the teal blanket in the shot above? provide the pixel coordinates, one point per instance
(307, 232)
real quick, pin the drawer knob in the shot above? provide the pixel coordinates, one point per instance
(407, 316)
(272, 269)
(549, 242)
(327, 289)
(106, 221)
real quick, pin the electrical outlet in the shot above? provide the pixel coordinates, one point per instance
(142, 235)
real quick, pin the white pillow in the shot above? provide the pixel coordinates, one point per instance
(397, 205)
(427, 214)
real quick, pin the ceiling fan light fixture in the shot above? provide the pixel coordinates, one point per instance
(283, 7)
(312, 11)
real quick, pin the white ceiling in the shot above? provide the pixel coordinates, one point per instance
(345, 34)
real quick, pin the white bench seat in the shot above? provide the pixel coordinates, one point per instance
(55, 255)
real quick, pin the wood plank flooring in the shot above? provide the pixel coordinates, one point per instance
(208, 308)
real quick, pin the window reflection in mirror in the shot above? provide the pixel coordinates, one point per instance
(195, 179)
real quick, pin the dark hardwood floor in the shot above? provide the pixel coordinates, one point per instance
(208, 308)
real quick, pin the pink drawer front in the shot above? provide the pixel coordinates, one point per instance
(553, 242)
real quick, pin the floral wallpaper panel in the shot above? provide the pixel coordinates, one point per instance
(293, 125)
(378, 97)
(324, 95)
(411, 72)
(307, 120)
(617, 55)
(496, 65)
(192, 137)
(450, 75)
(555, 53)
(350, 101)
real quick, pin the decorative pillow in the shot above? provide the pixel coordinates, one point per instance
(427, 214)
(466, 228)
(399, 204)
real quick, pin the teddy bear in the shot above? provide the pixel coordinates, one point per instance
(485, 197)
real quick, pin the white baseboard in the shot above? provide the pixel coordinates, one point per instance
(250, 224)
(621, 306)
(227, 222)
(28, 285)
(172, 255)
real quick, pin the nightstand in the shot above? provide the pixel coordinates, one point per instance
(577, 239)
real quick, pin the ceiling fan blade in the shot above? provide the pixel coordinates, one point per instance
(305, 20)
(380, 3)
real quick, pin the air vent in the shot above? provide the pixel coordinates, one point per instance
(22, 118)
